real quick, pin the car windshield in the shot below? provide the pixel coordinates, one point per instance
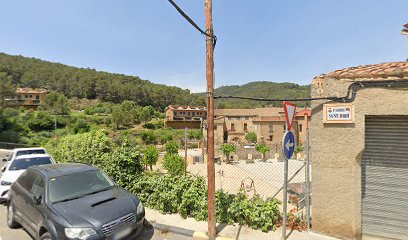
(31, 151)
(77, 185)
(24, 163)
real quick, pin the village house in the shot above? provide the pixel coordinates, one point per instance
(232, 125)
(28, 98)
(359, 152)
(180, 117)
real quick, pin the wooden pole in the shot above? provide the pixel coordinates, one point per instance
(210, 120)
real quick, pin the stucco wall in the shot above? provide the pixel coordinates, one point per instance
(336, 156)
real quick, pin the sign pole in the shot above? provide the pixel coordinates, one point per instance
(288, 148)
(285, 193)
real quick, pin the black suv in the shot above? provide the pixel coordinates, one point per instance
(73, 201)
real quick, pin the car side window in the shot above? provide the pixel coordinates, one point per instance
(38, 188)
(26, 180)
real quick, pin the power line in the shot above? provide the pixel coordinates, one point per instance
(192, 22)
(277, 100)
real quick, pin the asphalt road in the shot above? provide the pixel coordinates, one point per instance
(13, 234)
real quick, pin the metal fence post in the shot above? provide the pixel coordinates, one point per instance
(307, 180)
(285, 198)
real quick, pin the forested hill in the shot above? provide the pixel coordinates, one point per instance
(91, 84)
(261, 90)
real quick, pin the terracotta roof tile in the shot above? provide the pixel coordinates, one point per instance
(372, 72)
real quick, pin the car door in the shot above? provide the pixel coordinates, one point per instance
(21, 194)
(34, 209)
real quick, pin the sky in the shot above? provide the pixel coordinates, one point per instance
(263, 40)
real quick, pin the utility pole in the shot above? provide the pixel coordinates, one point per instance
(210, 120)
(185, 151)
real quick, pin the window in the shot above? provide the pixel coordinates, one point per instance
(26, 96)
(188, 113)
(31, 96)
(246, 118)
(31, 151)
(284, 127)
(245, 127)
(215, 127)
(24, 163)
(26, 180)
(193, 113)
(175, 113)
(270, 127)
(300, 127)
(232, 127)
(38, 187)
(77, 184)
(37, 97)
(270, 138)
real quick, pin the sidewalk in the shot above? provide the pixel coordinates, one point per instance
(189, 226)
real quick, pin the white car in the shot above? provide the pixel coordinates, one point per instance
(16, 167)
(23, 151)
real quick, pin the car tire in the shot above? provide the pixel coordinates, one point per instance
(46, 236)
(11, 223)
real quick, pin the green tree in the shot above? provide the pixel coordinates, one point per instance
(118, 117)
(172, 147)
(174, 164)
(7, 88)
(251, 137)
(81, 126)
(151, 156)
(263, 149)
(57, 102)
(146, 114)
(228, 149)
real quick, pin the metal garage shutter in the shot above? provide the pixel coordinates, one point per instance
(385, 177)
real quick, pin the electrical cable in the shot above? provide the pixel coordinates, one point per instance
(350, 97)
(212, 36)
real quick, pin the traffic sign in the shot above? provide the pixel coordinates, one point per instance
(290, 111)
(288, 144)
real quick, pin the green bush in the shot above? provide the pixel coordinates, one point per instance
(172, 147)
(151, 156)
(148, 137)
(251, 137)
(81, 126)
(174, 164)
(39, 121)
(187, 195)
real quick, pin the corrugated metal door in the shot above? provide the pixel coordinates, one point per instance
(385, 177)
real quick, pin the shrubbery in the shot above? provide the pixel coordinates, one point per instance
(187, 195)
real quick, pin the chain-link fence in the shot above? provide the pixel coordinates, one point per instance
(247, 170)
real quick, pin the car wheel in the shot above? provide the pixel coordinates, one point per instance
(11, 223)
(46, 236)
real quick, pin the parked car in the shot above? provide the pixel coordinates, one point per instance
(73, 201)
(23, 151)
(16, 167)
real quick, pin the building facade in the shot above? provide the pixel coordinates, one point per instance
(359, 152)
(269, 124)
(180, 117)
(28, 98)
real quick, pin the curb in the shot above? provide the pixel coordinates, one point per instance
(184, 232)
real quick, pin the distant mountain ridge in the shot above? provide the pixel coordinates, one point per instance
(261, 89)
(113, 87)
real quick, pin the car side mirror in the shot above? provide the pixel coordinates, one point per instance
(37, 199)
